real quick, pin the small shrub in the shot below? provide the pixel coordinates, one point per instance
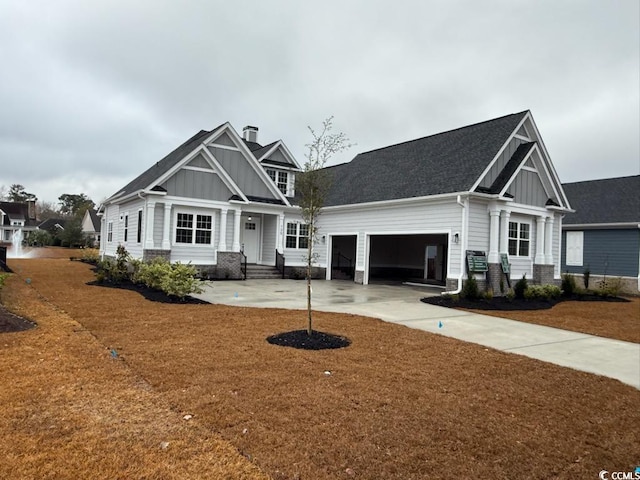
(181, 281)
(3, 277)
(152, 273)
(470, 289)
(552, 292)
(114, 271)
(488, 295)
(610, 287)
(501, 286)
(90, 255)
(585, 277)
(520, 287)
(510, 295)
(569, 287)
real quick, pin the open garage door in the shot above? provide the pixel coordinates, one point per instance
(343, 257)
(408, 258)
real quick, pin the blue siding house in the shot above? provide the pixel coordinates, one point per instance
(603, 235)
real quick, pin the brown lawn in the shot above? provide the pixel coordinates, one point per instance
(619, 320)
(398, 403)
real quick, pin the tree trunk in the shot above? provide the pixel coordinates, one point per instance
(309, 262)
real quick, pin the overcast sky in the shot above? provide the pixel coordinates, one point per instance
(94, 92)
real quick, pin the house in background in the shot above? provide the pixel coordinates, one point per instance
(16, 219)
(412, 211)
(91, 226)
(603, 235)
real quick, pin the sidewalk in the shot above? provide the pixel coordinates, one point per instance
(401, 304)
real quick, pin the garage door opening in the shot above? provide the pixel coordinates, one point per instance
(408, 258)
(343, 257)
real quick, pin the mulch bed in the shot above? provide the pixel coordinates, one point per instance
(13, 323)
(504, 304)
(316, 341)
(149, 293)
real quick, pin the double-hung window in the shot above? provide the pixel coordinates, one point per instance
(519, 239)
(110, 232)
(139, 227)
(281, 179)
(297, 235)
(194, 229)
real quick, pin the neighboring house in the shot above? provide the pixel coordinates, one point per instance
(408, 211)
(53, 225)
(91, 226)
(603, 235)
(17, 220)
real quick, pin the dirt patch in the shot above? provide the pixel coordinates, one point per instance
(398, 404)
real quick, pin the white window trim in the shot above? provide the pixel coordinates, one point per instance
(110, 232)
(290, 177)
(139, 226)
(518, 239)
(193, 243)
(125, 228)
(297, 236)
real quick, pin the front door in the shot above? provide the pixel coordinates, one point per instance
(250, 238)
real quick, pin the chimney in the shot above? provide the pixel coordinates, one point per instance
(31, 204)
(250, 134)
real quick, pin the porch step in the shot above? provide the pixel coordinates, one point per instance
(256, 272)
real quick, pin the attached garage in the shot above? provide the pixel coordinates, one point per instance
(415, 257)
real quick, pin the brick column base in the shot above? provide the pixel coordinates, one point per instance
(148, 254)
(543, 275)
(229, 266)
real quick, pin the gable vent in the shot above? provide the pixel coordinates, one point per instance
(250, 134)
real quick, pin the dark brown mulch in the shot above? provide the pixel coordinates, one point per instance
(316, 341)
(150, 293)
(13, 323)
(504, 304)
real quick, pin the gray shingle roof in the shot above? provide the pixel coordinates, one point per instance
(611, 200)
(443, 163)
(160, 168)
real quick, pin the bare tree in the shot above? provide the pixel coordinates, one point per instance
(313, 186)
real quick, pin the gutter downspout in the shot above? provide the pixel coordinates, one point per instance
(464, 204)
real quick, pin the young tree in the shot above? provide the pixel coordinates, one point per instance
(313, 186)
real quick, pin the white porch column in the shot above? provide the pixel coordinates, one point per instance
(236, 230)
(494, 228)
(280, 233)
(548, 241)
(222, 244)
(504, 231)
(148, 230)
(166, 227)
(539, 259)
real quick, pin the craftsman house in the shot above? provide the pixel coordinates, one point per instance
(411, 211)
(603, 235)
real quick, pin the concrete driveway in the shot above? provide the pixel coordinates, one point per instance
(401, 304)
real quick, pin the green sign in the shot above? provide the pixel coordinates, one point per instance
(504, 263)
(477, 261)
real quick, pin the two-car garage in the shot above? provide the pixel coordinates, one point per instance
(392, 257)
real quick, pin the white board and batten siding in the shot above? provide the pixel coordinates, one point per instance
(244, 176)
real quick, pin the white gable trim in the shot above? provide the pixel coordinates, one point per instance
(242, 147)
(285, 152)
(522, 167)
(495, 159)
(228, 181)
(224, 147)
(555, 180)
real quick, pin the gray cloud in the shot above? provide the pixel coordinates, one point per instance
(95, 92)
